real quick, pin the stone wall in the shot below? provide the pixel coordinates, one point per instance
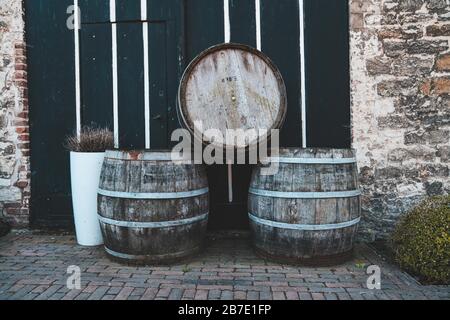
(14, 138)
(400, 70)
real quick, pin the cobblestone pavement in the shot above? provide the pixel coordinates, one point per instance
(33, 265)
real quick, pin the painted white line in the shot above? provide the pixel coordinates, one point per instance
(230, 183)
(258, 24)
(303, 73)
(77, 68)
(227, 32)
(146, 73)
(112, 12)
(226, 19)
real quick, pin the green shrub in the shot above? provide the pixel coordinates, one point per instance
(421, 241)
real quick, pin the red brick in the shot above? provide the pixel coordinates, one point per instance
(24, 145)
(441, 86)
(21, 184)
(19, 52)
(20, 75)
(436, 86)
(443, 62)
(21, 123)
(20, 45)
(21, 83)
(21, 60)
(24, 137)
(23, 114)
(20, 66)
(21, 129)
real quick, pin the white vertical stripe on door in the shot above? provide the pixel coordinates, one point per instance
(226, 19)
(303, 72)
(77, 67)
(258, 24)
(227, 33)
(112, 17)
(146, 73)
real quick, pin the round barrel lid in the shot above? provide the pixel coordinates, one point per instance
(232, 86)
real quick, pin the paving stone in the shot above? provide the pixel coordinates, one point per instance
(279, 296)
(48, 293)
(20, 293)
(201, 295)
(34, 267)
(99, 293)
(265, 295)
(240, 295)
(124, 293)
(226, 295)
(176, 294)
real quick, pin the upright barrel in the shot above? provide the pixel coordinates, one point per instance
(231, 86)
(152, 209)
(308, 211)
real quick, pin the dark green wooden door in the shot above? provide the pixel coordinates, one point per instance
(140, 110)
(52, 109)
(114, 90)
(131, 56)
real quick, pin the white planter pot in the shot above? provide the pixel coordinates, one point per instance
(85, 175)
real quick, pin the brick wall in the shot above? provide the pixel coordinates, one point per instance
(400, 70)
(14, 138)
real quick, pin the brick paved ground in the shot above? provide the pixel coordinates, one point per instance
(33, 266)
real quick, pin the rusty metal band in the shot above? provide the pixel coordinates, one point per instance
(305, 195)
(304, 227)
(153, 195)
(127, 256)
(312, 160)
(159, 224)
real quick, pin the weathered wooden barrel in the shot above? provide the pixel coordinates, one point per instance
(309, 210)
(152, 209)
(231, 86)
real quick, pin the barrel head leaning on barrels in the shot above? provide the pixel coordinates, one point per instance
(152, 209)
(231, 86)
(308, 212)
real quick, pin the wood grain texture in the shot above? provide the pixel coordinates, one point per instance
(232, 86)
(96, 78)
(281, 42)
(328, 78)
(322, 247)
(51, 91)
(134, 172)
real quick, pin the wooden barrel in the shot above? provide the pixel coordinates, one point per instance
(308, 212)
(231, 86)
(152, 209)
